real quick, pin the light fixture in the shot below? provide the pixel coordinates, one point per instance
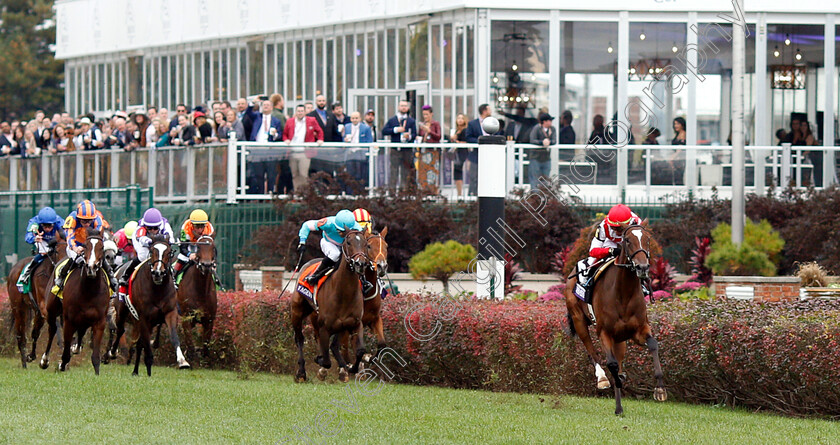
(674, 48)
(633, 70)
(501, 99)
(518, 99)
(650, 70)
(787, 39)
(798, 54)
(610, 48)
(495, 79)
(533, 77)
(514, 66)
(776, 51)
(526, 99)
(642, 36)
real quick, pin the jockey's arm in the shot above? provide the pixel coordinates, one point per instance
(32, 230)
(600, 248)
(306, 228)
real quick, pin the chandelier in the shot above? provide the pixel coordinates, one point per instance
(511, 90)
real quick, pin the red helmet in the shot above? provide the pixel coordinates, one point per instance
(619, 214)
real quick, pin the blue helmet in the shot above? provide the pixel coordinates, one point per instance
(47, 216)
(345, 220)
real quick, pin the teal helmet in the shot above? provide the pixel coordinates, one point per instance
(344, 220)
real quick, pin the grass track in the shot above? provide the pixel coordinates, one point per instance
(210, 407)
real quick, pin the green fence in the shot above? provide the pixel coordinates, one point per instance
(16, 208)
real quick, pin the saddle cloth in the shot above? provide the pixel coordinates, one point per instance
(306, 289)
(25, 286)
(59, 292)
(580, 289)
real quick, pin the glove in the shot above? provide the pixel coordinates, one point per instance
(147, 242)
(615, 251)
(301, 248)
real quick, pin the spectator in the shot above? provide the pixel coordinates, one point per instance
(163, 115)
(28, 145)
(162, 135)
(370, 120)
(56, 120)
(152, 113)
(216, 106)
(277, 106)
(566, 135)
(599, 131)
(8, 145)
(66, 119)
(429, 129)
(142, 131)
(336, 121)
(222, 126)
(543, 135)
(520, 126)
(322, 115)
(205, 130)
(184, 133)
(402, 129)
(226, 106)
(300, 130)
(679, 131)
(90, 137)
(241, 106)
(118, 138)
(235, 125)
(652, 134)
(308, 108)
(459, 135)
(794, 137)
(358, 132)
(781, 135)
(61, 141)
(816, 156)
(180, 110)
(474, 131)
(266, 128)
(132, 135)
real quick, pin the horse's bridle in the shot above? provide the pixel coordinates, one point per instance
(629, 257)
(157, 278)
(374, 262)
(357, 261)
(202, 266)
(99, 260)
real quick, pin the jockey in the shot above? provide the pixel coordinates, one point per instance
(75, 229)
(151, 224)
(41, 230)
(195, 227)
(332, 230)
(123, 239)
(608, 238)
(363, 218)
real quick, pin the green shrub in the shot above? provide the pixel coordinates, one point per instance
(441, 260)
(757, 255)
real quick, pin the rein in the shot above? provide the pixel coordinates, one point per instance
(630, 257)
(378, 255)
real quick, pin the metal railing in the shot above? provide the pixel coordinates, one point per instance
(246, 171)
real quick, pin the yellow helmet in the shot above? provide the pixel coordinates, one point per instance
(363, 218)
(130, 228)
(198, 216)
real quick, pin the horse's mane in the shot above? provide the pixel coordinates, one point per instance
(160, 239)
(93, 232)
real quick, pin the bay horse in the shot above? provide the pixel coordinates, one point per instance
(371, 317)
(340, 307)
(83, 306)
(620, 312)
(197, 294)
(152, 295)
(33, 303)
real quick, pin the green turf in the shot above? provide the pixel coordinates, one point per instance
(209, 407)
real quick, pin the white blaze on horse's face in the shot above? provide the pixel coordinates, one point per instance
(92, 259)
(161, 250)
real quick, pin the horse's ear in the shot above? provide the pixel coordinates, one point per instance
(384, 232)
(645, 222)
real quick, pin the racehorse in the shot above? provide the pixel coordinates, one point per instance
(340, 307)
(83, 305)
(152, 296)
(620, 312)
(378, 254)
(34, 302)
(197, 294)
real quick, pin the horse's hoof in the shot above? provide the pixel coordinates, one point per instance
(62, 367)
(322, 374)
(75, 350)
(367, 358)
(623, 378)
(30, 358)
(300, 378)
(361, 368)
(45, 362)
(603, 383)
(23, 364)
(343, 375)
(619, 412)
(183, 365)
(135, 374)
(660, 394)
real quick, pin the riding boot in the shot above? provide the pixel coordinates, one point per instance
(323, 268)
(367, 286)
(126, 276)
(112, 282)
(27, 273)
(62, 276)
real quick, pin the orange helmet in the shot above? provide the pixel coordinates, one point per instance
(363, 218)
(619, 214)
(86, 210)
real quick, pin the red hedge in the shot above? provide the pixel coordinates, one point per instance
(779, 357)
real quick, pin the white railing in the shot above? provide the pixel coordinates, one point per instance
(257, 171)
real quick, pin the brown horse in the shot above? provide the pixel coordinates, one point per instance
(83, 306)
(33, 303)
(197, 294)
(378, 254)
(620, 312)
(340, 307)
(152, 295)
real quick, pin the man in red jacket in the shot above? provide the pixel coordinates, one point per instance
(301, 129)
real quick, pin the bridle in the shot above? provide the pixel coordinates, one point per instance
(202, 266)
(630, 264)
(374, 262)
(92, 269)
(357, 261)
(158, 275)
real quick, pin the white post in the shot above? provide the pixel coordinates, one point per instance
(691, 122)
(763, 131)
(231, 170)
(829, 176)
(738, 170)
(622, 137)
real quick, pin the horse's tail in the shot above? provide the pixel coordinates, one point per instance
(570, 329)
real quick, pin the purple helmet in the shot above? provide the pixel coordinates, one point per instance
(152, 218)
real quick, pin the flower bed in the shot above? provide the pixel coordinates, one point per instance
(781, 357)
